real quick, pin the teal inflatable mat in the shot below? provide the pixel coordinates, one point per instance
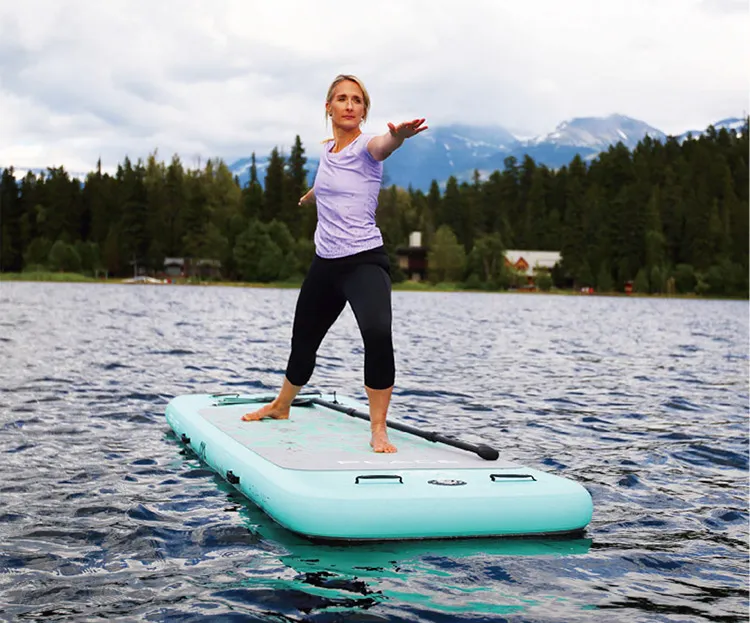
(316, 475)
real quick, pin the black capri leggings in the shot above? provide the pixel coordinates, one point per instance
(364, 281)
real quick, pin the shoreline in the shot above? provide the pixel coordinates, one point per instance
(404, 286)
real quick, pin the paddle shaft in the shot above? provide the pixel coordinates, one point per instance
(485, 452)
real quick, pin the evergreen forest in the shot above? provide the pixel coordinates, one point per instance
(666, 217)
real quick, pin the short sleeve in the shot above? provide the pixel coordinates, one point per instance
(367, 155)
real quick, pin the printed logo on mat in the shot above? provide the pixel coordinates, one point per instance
(447, 483)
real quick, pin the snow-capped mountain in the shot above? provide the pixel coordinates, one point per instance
(585, 136)
(600, 132)
(241, 169)
(733, 123)
(444, 151)
(459, 150)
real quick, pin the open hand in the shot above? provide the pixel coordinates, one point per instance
(407, 129)
(308, 197)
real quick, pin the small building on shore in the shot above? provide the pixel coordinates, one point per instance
(412, 259)
(531, 263)
(204, 268)
(174, 266)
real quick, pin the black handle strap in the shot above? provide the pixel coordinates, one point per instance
(494, 477)
(379, 477)
(233, 478)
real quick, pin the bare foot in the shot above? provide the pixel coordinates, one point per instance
(270, 411)
(380, 442)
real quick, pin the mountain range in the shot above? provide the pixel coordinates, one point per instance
(459, 150)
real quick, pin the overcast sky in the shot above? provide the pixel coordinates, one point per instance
(223, 78)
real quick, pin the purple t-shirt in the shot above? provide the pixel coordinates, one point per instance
(346, 192)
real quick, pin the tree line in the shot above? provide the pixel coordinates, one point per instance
(665, 216)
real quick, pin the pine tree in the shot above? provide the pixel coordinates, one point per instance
(155, 183)
(699, 237)
(471, 222)
(252, 194)
(227, 216)
(196, 215)
(275, 188)
(29, 200)
(296, 185)
(734, 221)
(672, 216)
(507, 214)
(573, 248)
(450, 208)
(523, 219)
(654, 238)
(134, 235)
(95, 204)
(535, 213)
(490, 216)
(434, 212)
(62, 206)
(11, 212)
(175, 208)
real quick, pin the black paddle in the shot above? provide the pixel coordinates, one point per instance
(487, 453)
(482, 450)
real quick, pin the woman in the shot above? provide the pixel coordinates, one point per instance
(350, 263)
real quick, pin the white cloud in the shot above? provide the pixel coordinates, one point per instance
(83, 79)
(725, 6)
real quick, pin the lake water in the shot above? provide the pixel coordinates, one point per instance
(103, 515)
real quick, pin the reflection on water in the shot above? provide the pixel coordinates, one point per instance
(104, 515)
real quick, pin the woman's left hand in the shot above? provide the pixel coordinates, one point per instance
(407, 129)
(380, 147)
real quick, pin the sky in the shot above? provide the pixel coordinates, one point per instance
(83, 80)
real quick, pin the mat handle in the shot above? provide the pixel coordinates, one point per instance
(511, 477)
(378, 476)
(232, 479)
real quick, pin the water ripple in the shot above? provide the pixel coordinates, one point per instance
(105, 516)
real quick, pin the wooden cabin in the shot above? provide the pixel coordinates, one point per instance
(531, 263)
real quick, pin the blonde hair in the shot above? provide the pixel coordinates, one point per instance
(343, 77)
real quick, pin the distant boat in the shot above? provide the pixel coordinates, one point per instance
(145, 280)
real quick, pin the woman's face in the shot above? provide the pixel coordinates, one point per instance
(347, 106)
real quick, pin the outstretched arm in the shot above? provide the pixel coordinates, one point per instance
(380, 147)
